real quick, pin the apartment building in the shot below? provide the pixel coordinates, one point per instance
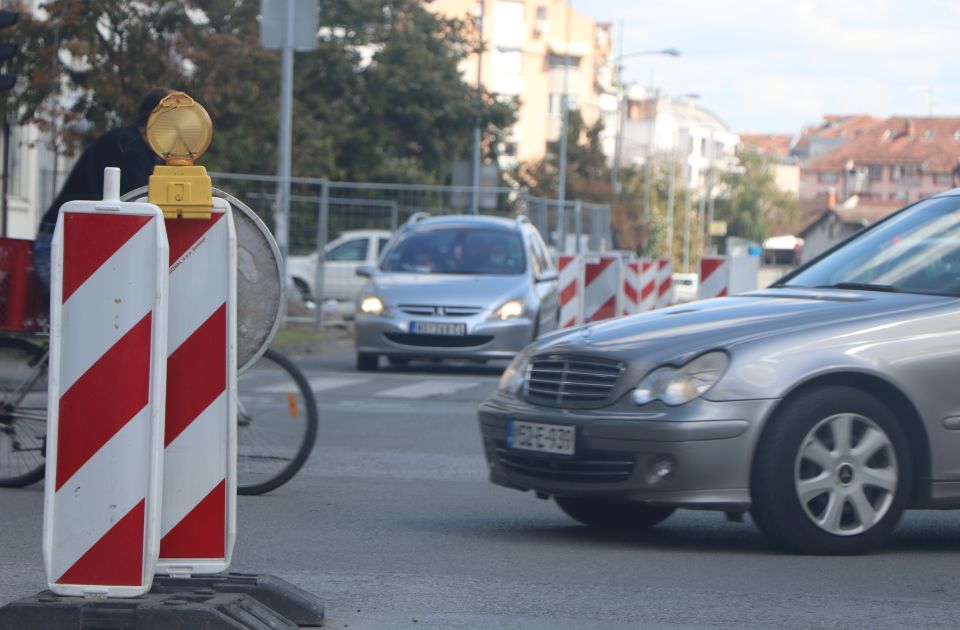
(680, 129)
(898, 159)
(775, 149)
(535, 52)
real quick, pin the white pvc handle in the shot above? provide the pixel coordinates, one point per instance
(111, 184)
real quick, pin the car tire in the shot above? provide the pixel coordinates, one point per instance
(613, 515)
(846, 455)
(398, 361)
(367, 362)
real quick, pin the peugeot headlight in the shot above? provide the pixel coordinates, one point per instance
(513, 308)
(676, 386)
(372, 305)
(511, 382)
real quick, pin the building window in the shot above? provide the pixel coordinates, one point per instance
(827, 177)
(900, 195)
(563, 61)
(541, 12)
(906, 171)
(555, 104)
(703, 147)
(510, 149)
(942, 178)
(875, 172)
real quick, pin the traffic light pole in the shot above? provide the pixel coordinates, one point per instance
(6, 172)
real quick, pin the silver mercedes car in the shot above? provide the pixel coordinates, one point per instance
(824, 405)
(466, 287)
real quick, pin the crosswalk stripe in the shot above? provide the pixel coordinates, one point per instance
(318, 384)
(426, 389)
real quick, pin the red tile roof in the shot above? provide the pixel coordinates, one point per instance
(932, 142)
(837, 126)
(774, 144)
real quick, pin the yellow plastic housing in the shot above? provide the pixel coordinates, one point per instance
(182, 192)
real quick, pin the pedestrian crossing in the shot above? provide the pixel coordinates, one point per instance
(384, 387)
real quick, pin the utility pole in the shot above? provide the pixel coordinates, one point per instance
(286, 25)
(564, 116)
(282, 222)
(654, 102)
(618, 131)
(475, 200)
(670, 200)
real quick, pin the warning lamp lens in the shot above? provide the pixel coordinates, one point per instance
(179, 130)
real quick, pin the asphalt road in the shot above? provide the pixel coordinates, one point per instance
(393, 524)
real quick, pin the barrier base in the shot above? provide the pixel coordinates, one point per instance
(294, 603)
(229, 601)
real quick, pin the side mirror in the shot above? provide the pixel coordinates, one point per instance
(548, 276)
(365, 271)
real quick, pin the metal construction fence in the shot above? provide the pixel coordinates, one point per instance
(321, 210)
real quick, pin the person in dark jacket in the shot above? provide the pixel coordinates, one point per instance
(125, 148)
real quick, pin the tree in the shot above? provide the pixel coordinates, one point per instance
(380, 98)
(588, 176)
(750, 200)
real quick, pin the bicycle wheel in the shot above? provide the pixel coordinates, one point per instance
(276, 424)
(23, 412)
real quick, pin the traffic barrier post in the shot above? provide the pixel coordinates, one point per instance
(648, 285)
(601, 287)
(714, 277)
(198, 521)
(102, 494)
(630, 287)
(571, 288)
(664, 282)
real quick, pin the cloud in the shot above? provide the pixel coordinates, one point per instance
(768, 65)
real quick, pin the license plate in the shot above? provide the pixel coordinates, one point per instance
(438, 328)
(546, 438)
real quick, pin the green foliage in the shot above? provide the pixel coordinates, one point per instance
(749, 199)
(381, 98)
(588, 176)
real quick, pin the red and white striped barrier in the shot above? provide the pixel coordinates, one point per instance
(106, 396)
(601, 286)
(198, 520)
(714, 277)
(664, 282)
(630, 287)
(571, 287)
(648, 285)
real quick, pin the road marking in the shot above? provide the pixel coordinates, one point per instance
(319, 384)
(427, 389)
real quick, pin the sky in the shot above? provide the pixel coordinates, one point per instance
(773, 66)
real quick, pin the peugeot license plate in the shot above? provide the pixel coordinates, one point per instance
(546, 438)
(438, 328)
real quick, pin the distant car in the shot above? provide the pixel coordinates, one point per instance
(685, 286)
(343, 256)
(825, 404)
(457, 287)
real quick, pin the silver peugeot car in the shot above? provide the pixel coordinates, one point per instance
(824, 405)
(456, 287)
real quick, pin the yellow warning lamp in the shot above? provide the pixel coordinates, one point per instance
(179, 131)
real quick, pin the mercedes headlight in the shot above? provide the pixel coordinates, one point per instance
(513, 308)
(372, 305)
(676, 386)
(511, 382)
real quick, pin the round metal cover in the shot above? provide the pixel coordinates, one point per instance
(260, 288)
